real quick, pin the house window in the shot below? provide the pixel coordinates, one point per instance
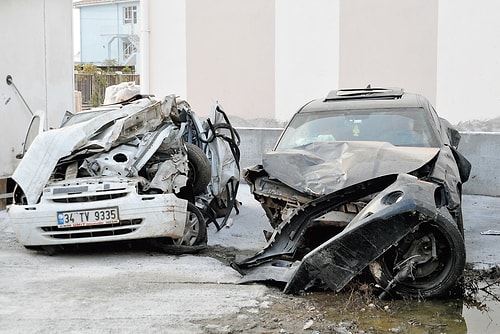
(128, 49)
(130, 14)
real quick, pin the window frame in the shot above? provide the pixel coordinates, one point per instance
(130, 15)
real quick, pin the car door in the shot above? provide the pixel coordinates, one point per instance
(37, 125)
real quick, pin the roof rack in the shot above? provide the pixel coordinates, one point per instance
(365, 93)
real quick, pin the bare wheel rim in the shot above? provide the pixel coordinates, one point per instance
(192, 229)
(433, 278)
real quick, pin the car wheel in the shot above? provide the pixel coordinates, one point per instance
(195, 231)
(199, 168)
(194, 238)
(426, 263)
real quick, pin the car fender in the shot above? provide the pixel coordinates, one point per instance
(396, 211)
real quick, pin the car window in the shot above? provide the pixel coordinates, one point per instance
(37, 125)
(400, 127)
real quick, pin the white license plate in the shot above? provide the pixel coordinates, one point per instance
(88, 217)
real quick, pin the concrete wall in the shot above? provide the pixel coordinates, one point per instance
(483, 151)
(255, 142)
(480, 148)
(37, 52)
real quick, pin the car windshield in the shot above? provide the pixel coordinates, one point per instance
(400, 127)
(82, 116)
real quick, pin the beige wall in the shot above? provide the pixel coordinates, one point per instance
(230, 56)
(389, 43)
(307, 52)
(265, 58)
(163, 64)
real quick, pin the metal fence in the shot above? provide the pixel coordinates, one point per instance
(93, 86)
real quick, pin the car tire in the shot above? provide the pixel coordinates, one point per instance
(199, 168)
(193, 240)
(433, 278)
(195, 232)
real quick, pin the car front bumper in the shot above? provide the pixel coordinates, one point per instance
(140, 216)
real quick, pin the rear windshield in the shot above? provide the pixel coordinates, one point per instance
(400, 127)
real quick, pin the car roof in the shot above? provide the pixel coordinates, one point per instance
(366, 98)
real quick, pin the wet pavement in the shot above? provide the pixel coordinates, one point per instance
(478, 313)
(481, 221)
(35, 286)
(482, 240)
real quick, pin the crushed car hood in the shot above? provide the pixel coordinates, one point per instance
(97, 134)
(322, 168)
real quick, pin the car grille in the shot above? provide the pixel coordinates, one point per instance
(123, 227)
(92, 198)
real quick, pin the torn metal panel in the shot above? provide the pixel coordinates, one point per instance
(342, 257)
(448, 171)
(171, 175)
(49, 147)
(286, 236)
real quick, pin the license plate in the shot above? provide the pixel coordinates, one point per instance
(87, 217)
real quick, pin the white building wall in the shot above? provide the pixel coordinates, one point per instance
(468, 71)
(37, 53)
(230, 56)
(446, 50)
(166, 57)
(307, 52)
(389, 43)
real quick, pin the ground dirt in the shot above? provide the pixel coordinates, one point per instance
(104, 284)
(348, 310)
(130, 288)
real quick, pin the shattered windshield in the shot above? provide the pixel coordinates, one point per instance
(400, 127)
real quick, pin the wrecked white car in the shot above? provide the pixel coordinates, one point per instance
(362, 179)
(132, 170)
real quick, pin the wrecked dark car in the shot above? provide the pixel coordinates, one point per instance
(364, 179)
(142, 168)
